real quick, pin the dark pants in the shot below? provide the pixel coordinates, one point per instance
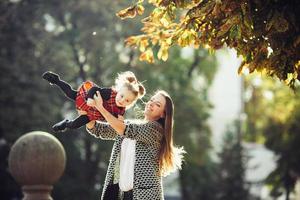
(67, 89)
(112, 192)
(128, 195)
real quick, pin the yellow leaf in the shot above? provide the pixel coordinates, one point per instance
(140, 9)
(196, 43)
(159, 54)
(129, 12)
(157, 15)
(240, 69)
(169, 41)
(185, 34)
(143, 44)
(155, 2)
(163, 53)
(147, 56)
(154, 41)
(180, 42)
(164, 22)
(131, 41)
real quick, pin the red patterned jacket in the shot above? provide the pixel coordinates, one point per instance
(93, 113)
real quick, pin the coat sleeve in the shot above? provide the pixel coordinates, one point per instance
(103, 131)
(149, 133)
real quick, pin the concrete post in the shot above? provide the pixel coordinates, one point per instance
(36, 161)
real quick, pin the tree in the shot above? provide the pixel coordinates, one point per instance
(277, 129)
(83, 39)
(264, 33)
(231, 182)
(74, 39)
(283, 139)
(200, 180)
(25, 104)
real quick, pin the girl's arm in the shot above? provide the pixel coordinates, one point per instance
(115, 123)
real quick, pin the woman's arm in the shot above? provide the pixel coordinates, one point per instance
(149, 133)
(103, 130)
(99, 129)
(90, 125)
(116, 124)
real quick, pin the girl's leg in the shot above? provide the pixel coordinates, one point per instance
(64, 86)
(78, 122)
(71, 124)
(67, 89)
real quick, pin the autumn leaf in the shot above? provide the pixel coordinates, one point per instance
(129, 12)
(140, 9)
(147, 56)
(241, 67)
(163, 52)
(156, 15)
(247, 26)
(131, 41)
(143, 44)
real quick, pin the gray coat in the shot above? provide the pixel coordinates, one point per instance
(147, 183)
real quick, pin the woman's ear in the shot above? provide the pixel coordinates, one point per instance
(163, 115)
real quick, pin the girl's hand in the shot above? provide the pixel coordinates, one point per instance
(91, 102)
(81, 112)
(98, 100)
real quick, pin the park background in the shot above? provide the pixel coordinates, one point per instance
(241, 132)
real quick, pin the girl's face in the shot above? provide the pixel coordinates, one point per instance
(124, 97)
(155, 107)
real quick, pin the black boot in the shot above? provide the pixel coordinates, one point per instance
(60, 126)
(51, 77)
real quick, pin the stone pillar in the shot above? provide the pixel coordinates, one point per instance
(297, 189)
(36, 161)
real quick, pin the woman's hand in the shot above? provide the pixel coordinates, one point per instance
(121, 118)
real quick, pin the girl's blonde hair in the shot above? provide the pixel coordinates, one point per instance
(170, 156)
(129, 80)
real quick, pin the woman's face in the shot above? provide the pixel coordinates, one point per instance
(155, 107)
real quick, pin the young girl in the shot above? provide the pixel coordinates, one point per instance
(115, 99)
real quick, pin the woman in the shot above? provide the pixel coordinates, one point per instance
(143, 151)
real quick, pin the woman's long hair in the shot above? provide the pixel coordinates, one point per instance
(170, 157)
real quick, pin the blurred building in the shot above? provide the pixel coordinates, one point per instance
(226, 96)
